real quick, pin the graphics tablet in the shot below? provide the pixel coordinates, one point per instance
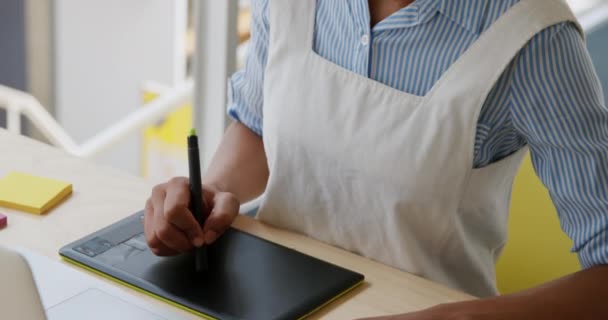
(248, 277)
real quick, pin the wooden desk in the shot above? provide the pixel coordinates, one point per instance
(103, 195)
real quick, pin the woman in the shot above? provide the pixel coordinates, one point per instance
(394, 128)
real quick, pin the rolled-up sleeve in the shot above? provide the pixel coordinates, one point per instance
(559, 109)
(245, 87)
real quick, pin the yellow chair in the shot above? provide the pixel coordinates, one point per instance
(537, 250)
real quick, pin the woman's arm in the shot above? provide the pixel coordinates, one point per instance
(580, 296)
(238, 171)
(239, 165)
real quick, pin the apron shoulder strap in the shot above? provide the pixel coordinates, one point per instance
(478, 69)
(292, 25)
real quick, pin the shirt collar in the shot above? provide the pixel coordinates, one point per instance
(419, 12)
(466, 13)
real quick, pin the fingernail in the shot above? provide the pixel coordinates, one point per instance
(210, 236)
(198, 241)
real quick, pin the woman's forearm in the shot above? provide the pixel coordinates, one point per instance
(239, 166)
(580, 296)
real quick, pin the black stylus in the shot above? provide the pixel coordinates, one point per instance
(197, 204)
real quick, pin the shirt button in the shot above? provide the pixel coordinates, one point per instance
(364, 39)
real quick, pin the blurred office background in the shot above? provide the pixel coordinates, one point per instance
(92, 63)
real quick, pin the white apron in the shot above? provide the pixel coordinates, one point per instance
(387, 174)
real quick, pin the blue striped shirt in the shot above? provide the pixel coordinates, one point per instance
(549, 97)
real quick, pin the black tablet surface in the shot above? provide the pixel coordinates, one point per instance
(248, 277)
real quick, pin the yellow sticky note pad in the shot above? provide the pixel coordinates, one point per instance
(32, 194)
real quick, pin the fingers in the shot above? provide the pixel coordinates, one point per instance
(155, 244)
(177, 212)
(225, 208)
(163, 237)
(171, 237)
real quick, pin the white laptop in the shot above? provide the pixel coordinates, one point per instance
(34, 287)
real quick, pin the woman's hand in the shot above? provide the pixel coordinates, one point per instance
(171, 228)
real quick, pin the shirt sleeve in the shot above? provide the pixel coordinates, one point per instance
(245, 87)
(558, 107)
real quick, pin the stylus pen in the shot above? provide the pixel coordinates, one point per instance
(197, 205)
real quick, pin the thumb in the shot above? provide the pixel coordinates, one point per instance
(225, 209)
